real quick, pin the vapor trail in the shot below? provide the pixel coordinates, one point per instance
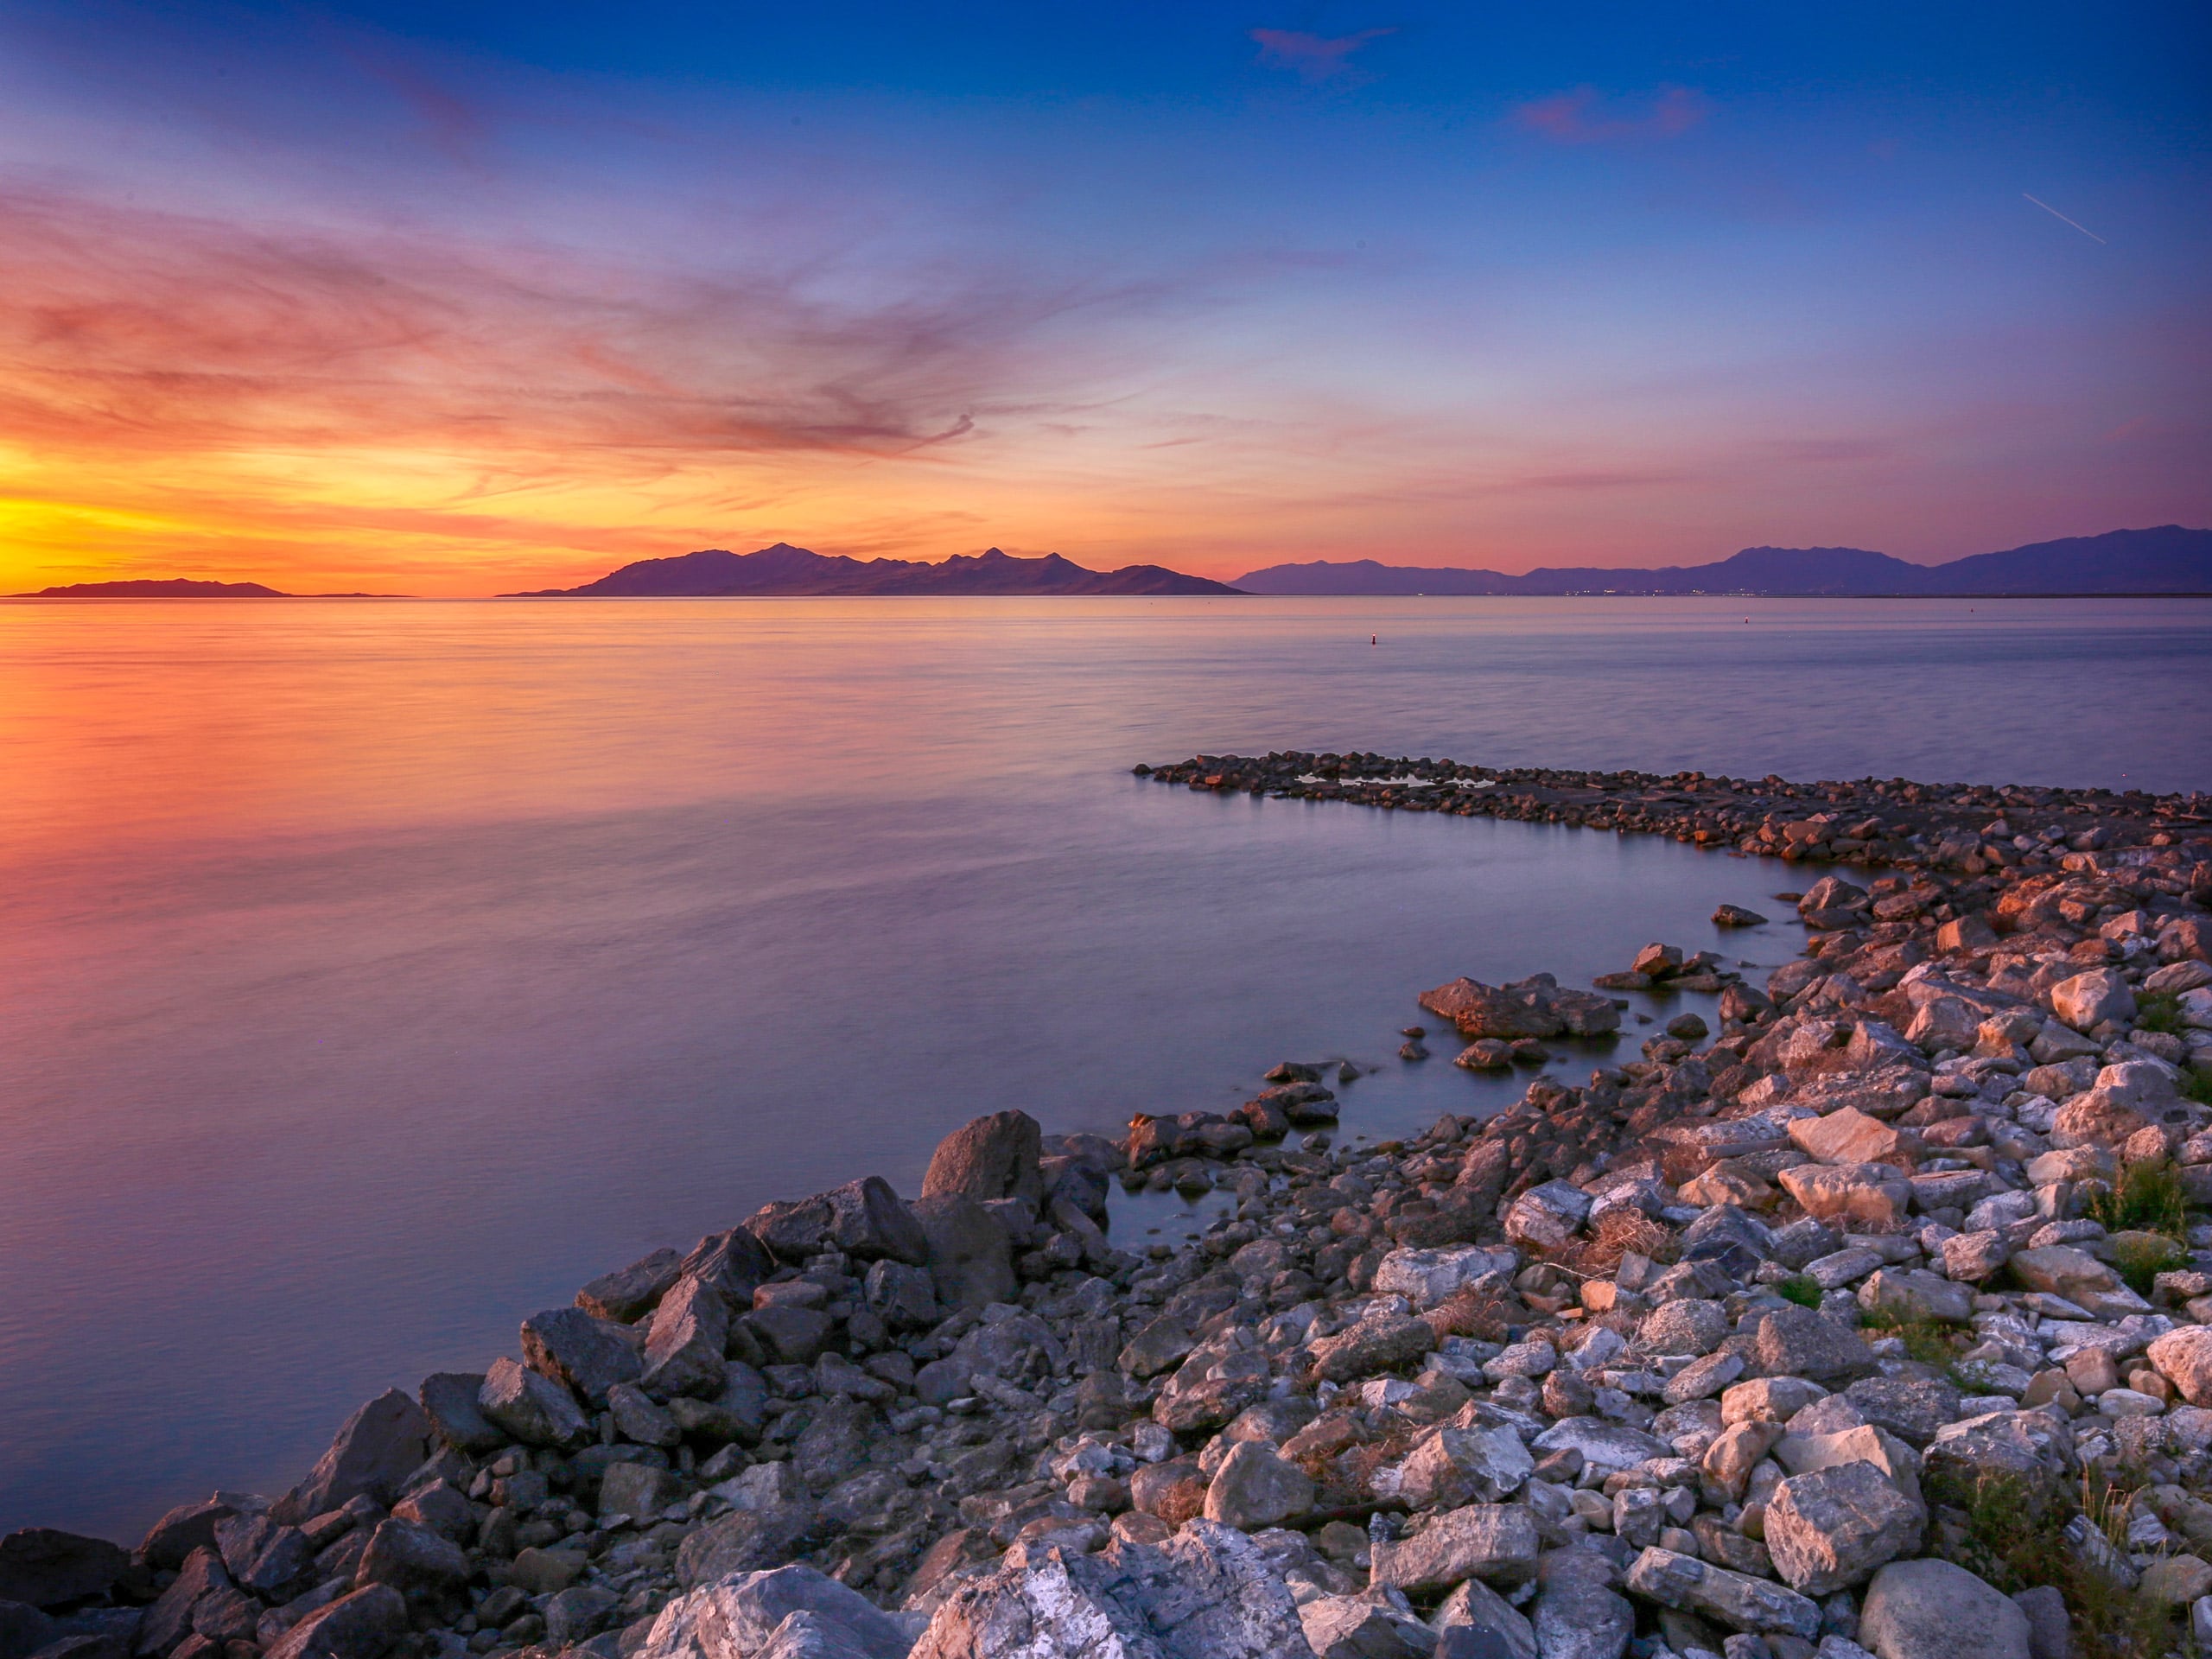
(2054, 213)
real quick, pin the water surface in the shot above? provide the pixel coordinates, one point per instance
(376, 973)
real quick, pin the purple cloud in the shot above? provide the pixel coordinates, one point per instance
(1315, 58)
(1584, 116)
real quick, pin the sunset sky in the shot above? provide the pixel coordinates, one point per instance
(458, 297)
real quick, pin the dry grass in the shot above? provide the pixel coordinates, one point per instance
(1482, 1314)
(1617, 1233)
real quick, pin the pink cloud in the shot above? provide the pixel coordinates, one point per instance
(1314, 57)
(1584, 116)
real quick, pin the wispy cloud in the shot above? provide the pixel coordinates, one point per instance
(1315, 58)
(1585, 115)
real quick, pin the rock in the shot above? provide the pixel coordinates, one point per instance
(1493, 1627)
(409, 1558)
(441, 1507)
(1382, 1342)
(1736, 1599)
(1913, 1293)
(1454, 1467)
(547, 1572)
(2183, 1357)
(23, 1630)
(2091, 999)
(1769, 1400)
(1547, 1217)
(1930, 1609)
(1687, 1325)
(1254, 1488)
(449, 1401)
(1531, 1007)
(639, 1418)
(531, 1408)
(273, 1561)
(1829, 1531)
(1863, 1197)
(380, 1446)
(1427, 1277)
(1206, 1593)
(638, 1492)
(744, 1541)
(736, 1616)
(1736, 916)
(685, 1343)
(362, 1625)
(183, 1529)
(870, 1223)
(1849, 1136)
(993, 1157)
(2062, 1270)
(1799, 1342)
(1974, 1258)
(1373, 1625)
(1495, 1542)
(970, 1253)
(629, 1293)
(904, 1297)
(2176, 1581)
(1702, 1378)
(573, 1615)
(2050, 1626)
(734, 1263)
(1602, 1444)
(590, 1355)
(1736, 1451)
(788, 1334)
(169, 1621)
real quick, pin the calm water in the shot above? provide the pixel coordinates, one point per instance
(376, 973)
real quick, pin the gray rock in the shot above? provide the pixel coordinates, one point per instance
(639, 1417)
(23, 1630)
(1798, 1342)
(1455, 1466)
(1377, 1624)
(531, 1408)
(1687, 1326)
(442, 1507)
(1382, 1342)
(409, 1558)
(1577, 1615)
(744, 1541)
(225, 1615)
(1736, 1599)
(994, 1157)
(684, 1345)
(1495, 1542)
(275, 1562)
(629, 1293)
(1254, 1488)
(572, 1614)
(970, 1253)
(1915, 1293)
(169, 1621)
(380, 1446)
(362, 1625)
(902, 1296)
(1478, 1610)
(41, 1567)
(449, 1402)
(789, 1335)
(1608, 1445)
(1930, 1609)
(1828, 1530)
(734, 1263)
(2051, 1632)
(1912, 1409)
(183, 1529)
(1206, 1593)
(588, 1353)
(638, 1491)
(870, 1223)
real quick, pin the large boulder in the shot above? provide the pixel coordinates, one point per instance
(1206, 1593)
(531, 1408)
(734, 1263)
(1381, 1342)
(362, 1625)
(1860, 1198)
(1930, 1609)
(1830, 1530)
(736, 1616)
(970, 1254)
(1455, 1466)
(1254, 1488)
(2091, 999)
(744, 1541)
(1374, 1625)
(685, 1343)
(864, 1220)
(380, 1445)
(589, 1354)
(41, 1567)
(987, 1158)
(629, 1293)
(449, 1401)
(411, 1558)
(1537, 1007)
(2183, 1357)
(1800, 1342)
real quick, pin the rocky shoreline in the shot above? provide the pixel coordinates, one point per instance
(1878, 1319)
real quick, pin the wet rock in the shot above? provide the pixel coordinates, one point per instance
(587, 1354)
(1931, 1609)
(1737, 916)
(1537, 1007)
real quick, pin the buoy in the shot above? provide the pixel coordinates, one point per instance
(1374, 639)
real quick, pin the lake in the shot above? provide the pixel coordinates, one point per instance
(378, 972)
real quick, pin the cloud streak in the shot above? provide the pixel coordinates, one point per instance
(1313, 58)
(1584, 116)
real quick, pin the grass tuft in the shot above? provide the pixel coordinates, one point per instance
(2158, 1011)
(2197, 1086)
(2139, 1258)
(1928, 1341)
(2148, 1198)
(1799, 1287)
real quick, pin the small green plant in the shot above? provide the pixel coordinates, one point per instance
(1799, 1287)
(2148, 1198)
(2158, 1011)
(2197, 1086)
(2012, 1533)
(1928, 1341)
(2141, 1257)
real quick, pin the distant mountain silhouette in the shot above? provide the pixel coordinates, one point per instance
(2167, 560)
(715, 573)
(159, 588)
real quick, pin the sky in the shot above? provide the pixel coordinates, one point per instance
(462, 297)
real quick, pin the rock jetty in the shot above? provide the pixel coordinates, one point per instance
(1877, 1320)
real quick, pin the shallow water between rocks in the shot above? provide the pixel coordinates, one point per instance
(378, 972)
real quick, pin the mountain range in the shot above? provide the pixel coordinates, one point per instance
(177, 587)
(2167, 560)
(715, 573)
